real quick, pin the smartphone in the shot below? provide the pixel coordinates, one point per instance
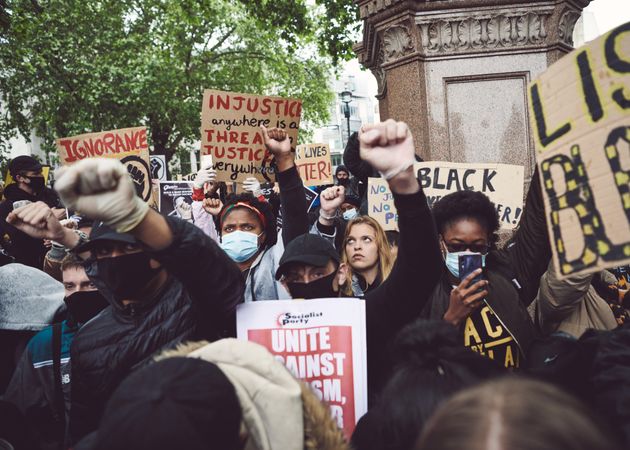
(468, 263)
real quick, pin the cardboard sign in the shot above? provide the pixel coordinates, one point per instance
(502, 183)
(129, 145)
(230, 132)
(381, 204)
(314, 164)
(176, 199)
(158, 167)
(580, 117)
(321, 342)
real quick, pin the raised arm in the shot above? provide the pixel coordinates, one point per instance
(292, 199)
(359, 168)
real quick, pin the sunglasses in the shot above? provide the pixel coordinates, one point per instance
(462, 247)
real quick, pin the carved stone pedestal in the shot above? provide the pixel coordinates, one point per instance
(456, 71)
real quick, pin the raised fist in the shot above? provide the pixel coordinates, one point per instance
(37, 220)
(277, 141)
(331, 199)
(138, 179)
(387, 147)
(102, 189)
(212, 206)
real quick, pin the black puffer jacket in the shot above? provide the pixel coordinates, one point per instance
(197, 302)
(25, 249)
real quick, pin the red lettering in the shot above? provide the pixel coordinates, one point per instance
(239, 103)
(266, 107)
(129, 142)
(259, 154)
(223, 102)
(67, 145)
(120, 145)
(97, 147)
(321, 167)
(233, 137)
(222, 136)
(252, 104)
(143, 139)
(108, 140)
(209, 134)
(258, 138)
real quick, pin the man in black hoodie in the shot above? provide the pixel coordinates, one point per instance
(165, 280)
(29, 186)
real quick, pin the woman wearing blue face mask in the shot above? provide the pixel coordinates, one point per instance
(484, 305)
(247, 225)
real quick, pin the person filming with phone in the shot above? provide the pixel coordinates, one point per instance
(482, 303)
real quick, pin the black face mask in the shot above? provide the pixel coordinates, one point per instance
(37, 184)
(343, 181)
(322, 288)
(126, 276)
(83, 305)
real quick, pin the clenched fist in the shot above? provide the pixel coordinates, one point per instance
(102, 189)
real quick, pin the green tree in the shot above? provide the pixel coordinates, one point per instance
(71, 66)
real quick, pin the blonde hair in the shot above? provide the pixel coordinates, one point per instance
(385, 259)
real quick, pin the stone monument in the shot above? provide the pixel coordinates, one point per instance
(457, 70)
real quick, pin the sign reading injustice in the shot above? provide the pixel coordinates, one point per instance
(230, 132)
(580, 115)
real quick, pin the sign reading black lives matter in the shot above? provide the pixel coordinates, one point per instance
(580, 116)
(230, 132)
(176, 199)
(502, 183)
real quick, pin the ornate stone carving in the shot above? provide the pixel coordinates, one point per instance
(397, 42)
(380, 75)
(566, 26)
(475, 32)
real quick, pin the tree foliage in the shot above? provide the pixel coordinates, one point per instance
(74, 66)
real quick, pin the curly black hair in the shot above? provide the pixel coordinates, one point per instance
(271, 232)
(467, 205)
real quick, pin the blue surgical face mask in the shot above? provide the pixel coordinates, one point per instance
(350, 214)
(240, 245)
(452, 261)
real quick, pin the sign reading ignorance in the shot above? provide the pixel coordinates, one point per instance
(313, 163)
(502, 183)
(129, 145)
(321, 342)
(580, 115)
(230, 132)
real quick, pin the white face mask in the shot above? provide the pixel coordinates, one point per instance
(350, 214)
(240, 245)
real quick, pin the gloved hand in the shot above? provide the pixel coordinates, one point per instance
(252, 185)
(102, 189)
(387, 147)
(205, 175)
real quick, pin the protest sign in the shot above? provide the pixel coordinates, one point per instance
(321, 342)
(580, 117)
(129, 145)
(502, 183)
(381, 204)
(158, 167)
(176, 199)
(314, 164)
(230, 132)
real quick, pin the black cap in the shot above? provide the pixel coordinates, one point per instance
(308, 249)
(23, 163)
(101, 232)
(174, 403)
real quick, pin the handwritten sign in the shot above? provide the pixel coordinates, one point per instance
(580, 115)
(230, 132)
(321, 342)
(313, 163)
(129, 145)
(502, 183)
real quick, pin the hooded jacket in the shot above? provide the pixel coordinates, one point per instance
(197, 302)
(25, 249)
(279, 412)
(571, 305)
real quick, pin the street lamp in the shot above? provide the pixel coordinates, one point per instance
(346, 98)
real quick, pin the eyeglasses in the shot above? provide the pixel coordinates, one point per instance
(462, 247)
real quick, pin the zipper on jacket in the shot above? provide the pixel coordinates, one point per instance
(503, 324)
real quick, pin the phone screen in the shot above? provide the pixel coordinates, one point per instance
(468, 263)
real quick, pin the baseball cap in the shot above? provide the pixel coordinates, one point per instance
(23, 163)
(101, 232)
(307, 249)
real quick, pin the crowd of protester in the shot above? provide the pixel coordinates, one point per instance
(117, 323)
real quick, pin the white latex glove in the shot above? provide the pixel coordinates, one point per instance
(252, 185)
(205, 175)
(387, 147)
(102, 189)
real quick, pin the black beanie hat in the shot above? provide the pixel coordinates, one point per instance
(174, 403)
(23, 163)
(341, 168)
